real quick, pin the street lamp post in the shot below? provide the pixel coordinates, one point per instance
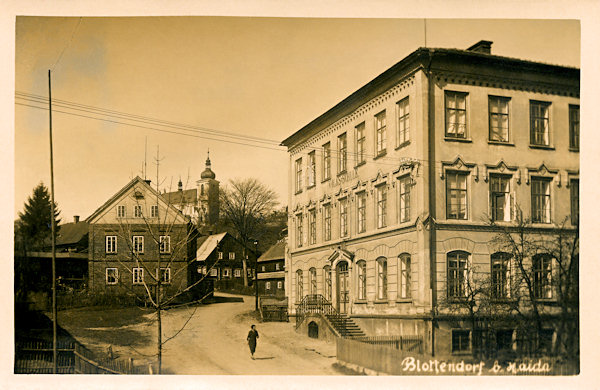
(256, 275)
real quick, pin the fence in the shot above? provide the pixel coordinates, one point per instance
(409, 343)
(378, 356)
(33, 356)
(274, 313)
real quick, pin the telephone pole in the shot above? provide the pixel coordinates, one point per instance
(52, 222)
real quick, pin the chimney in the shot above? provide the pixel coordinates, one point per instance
(148, 181)
(482, 47)
(180, 185)
(76, 218)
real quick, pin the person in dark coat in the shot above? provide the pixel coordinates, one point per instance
(252, 336)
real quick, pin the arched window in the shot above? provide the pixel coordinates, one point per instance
(457, 274)
(299, 286)
(501, 275)
(404, 276)
(382, 278)
(312, 277)
(327, 277)
(361, 266)
(542, 276)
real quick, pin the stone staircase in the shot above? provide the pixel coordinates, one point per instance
(317, 304)
(344, 325)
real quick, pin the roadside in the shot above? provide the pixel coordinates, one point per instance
(212, 341)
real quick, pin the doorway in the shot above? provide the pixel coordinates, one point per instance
(343, 287)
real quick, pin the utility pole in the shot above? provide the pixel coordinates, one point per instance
(256, 275)
(52, 223)
(159, 273)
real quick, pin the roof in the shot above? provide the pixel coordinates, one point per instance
(181, 197)
(276, 252)
(71, 233)
(207, 244)
(424, 58)
(122, 191)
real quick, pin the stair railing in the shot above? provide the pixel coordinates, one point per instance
(314, 304)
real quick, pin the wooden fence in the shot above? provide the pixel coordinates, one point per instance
(411, 343)
(34, 356)
(274, 313)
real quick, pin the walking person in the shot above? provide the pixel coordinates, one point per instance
(252, 336)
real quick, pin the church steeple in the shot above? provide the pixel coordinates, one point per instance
(208, 173)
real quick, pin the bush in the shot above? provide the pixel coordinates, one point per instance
(72, 299)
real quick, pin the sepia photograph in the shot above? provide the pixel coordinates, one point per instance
(307, 196)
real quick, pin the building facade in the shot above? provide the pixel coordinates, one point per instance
(135, 238)
(391, 191)
(271, 271)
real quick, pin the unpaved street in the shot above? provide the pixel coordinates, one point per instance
(214, 342)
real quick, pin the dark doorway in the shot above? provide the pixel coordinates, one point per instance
(313, 330)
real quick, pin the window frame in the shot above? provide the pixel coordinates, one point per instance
(404, 183)
(237, 273)
(137, 275)
(457, 276)
(381, 205)
(219, 255)
(136, 245)
(279, 284)
(380, 133)
(496, 182)
(299, 285)
(344, 226)
(267, 285)
(298, 182)
(534, 117)
(360, 143)
(327, 222)
(361, 212)
(404, 276)
(449, 190)
(121, 211)
(312, 280)
(504, 138)
(154, 211)
(542, 276)
(574, 197)
(231, 256)
(311, 179)
(541, 203)
(326, 161)
(328, 282)
(361, 278)
(312, 226)
(110, 248)
(574, 134)
(342, 153)
(165, 271)
(403, 122)
(137, 211)
(115, 276)
(463, 349)
(449, 111)
(501, 277)
(299, 230)
(164, 244)
(382, 278)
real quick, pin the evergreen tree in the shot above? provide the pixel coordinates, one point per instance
(35, 225)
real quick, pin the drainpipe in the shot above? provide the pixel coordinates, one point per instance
(432, 194)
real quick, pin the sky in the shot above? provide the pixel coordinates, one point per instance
(246, 76)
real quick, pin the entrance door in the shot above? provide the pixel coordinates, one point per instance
(343, 287)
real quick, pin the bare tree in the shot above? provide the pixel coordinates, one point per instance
(245, 204)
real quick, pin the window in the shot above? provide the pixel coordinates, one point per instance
(343, 217)
(138, 275)
(112, 276)
(279, 285)
(540, 200)
(267, 285)
(312, 275)
(312, 169)
(457, 274)
(456, 114)
(362, 279)
(226, 272)
(381, 205)
(299, 175)
(277, 266)
(263, 268)
(137, 211)
(220, 255)
(121, 211)
(327, 222)
(154, 211)
(231, 255)
(299, 286)
(501, 275)
(540, 123)
(165, 244)
(361, 208)
(404, 197)
(299, 229)
(327, 161)
(380, 133)
(360, 143)
(498, 108)
(500, 199)
(214, 272)
(165, 275)
(237, 273)
(403, 122)
(574, 127)
(343, 153)
(327, 272)
(404, 275)
(138, 244)
(574, 186)
(312, 226)
(456, 195)
(545, 341)
(504, 340)
(111, 244)
(382, 278)
(461, 340)
(542, 276)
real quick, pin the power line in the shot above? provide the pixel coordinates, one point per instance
(68, 44)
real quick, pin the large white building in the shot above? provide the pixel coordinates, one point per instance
(390, 190)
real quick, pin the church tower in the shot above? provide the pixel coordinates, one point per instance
(208, 197)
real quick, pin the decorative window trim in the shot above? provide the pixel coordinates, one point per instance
(502, 168)
(459, 165)
(544, 172)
